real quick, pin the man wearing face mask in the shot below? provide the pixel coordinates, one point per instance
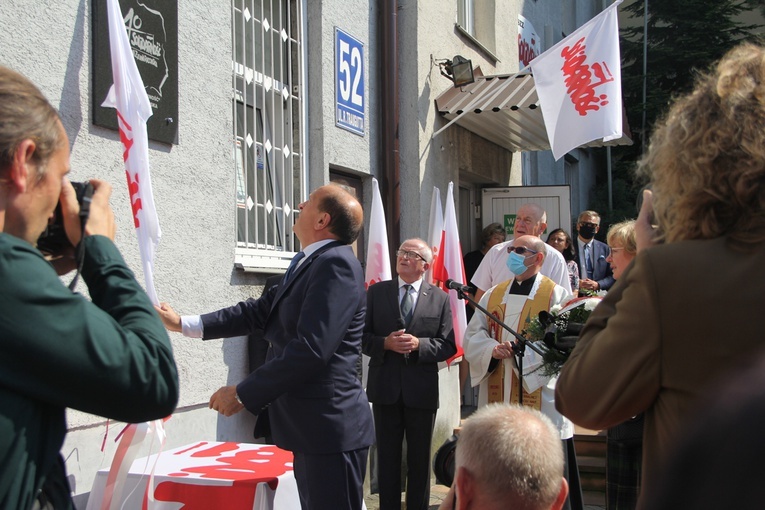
(489, 348)
(594, 272)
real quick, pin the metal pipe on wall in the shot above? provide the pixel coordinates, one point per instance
(391, 177)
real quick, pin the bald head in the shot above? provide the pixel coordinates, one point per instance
(345, 212)
(531, 220)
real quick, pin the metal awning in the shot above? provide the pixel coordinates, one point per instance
(504, 109)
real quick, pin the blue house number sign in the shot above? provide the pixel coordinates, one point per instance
(349, 83)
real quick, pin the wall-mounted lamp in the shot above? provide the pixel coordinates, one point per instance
(459, 70)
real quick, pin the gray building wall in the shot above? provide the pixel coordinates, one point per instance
(193, 182)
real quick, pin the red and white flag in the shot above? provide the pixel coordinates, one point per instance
(579, 84)
(129, 97)
(435, 231)
(449, 266)
(378, 256)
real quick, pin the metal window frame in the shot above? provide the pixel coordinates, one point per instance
(268, 244)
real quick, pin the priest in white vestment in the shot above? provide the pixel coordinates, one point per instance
(489, 347)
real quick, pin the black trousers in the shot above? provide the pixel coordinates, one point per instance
(392, 424)
(574, 501)
(332, 481)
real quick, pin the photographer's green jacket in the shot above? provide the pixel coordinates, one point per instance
(110, 357)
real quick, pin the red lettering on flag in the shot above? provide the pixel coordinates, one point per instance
(135, 203)
(526, 51)
(579, 78)
(126, 135)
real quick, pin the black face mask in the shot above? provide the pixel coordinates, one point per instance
(587, 232)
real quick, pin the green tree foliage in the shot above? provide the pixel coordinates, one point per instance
(684, 37)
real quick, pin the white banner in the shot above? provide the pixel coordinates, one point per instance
(435, 231)
(579, 84)
(529, 43)
(378, 256)
(129, 97)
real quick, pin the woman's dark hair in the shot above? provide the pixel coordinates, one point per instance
(568, 252)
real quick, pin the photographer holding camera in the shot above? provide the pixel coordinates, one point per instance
(684, 316)
(110, 357)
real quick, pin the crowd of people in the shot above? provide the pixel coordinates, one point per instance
(675, 322)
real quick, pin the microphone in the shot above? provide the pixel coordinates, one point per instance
(401, 325)
(451, 284)
(551, 329)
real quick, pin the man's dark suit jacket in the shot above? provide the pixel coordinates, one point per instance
(314, 324)
(601, 270)
(257, 345)
(389, 375)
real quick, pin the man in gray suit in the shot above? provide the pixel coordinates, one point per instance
(408, 330)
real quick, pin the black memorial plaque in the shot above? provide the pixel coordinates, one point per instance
(152, 27)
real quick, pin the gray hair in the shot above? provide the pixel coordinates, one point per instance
(424, 249)
(513, 453)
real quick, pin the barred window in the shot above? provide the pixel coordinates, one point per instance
(268, 111)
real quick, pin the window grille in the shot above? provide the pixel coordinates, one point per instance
(268, 111)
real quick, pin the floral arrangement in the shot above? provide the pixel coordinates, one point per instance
(556, 332)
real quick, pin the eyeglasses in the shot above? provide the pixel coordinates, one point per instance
(588, 224)
(521, 250)
(409, 255)
(616, 250)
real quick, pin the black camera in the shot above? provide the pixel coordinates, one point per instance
(54, 241)
(444, 461)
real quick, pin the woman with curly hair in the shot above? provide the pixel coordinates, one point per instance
(684, 314)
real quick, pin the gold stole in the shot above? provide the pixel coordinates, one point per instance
(531, 308)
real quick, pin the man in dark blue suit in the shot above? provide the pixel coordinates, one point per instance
(594, 272)
(408, 331)
(313, 320)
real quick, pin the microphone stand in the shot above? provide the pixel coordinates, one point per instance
(519, 349)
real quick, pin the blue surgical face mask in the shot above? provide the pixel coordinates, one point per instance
(515, 263)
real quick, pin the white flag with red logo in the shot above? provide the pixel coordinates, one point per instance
(449, 266)
(129, 97)
(435, 231)
(579, 84)
(378, 256)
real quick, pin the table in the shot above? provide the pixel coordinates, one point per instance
(209, 475)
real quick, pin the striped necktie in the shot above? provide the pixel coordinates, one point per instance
(407, 304)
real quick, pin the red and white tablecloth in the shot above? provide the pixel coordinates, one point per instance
(209, 475)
